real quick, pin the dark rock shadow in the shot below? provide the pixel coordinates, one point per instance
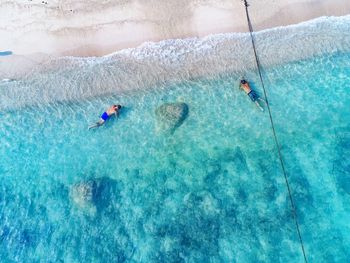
(341, 163)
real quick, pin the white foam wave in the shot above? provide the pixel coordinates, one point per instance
(71, 78)
(6, 80)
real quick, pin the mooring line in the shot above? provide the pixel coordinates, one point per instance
(274, 131)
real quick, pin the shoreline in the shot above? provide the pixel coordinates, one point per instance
(85, 32)
(169, 61)
(15, 66)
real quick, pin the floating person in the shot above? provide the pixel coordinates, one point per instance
(105, 116)
(251, 93)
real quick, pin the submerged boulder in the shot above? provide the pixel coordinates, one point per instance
(171, 115)
(94, 194)
(83, 194)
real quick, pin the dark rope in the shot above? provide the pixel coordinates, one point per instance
(274, 132)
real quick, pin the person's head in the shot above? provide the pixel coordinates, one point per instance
(117, 107)
(243, 81)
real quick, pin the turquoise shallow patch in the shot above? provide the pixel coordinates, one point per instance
(5, 53)
(213, 191)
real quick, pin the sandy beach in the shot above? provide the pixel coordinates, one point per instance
(34, 31)
(94, 28)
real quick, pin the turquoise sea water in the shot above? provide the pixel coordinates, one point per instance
(5, 53)
(211, 192)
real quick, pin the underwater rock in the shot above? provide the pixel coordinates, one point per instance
(95, 194)
(341, 164)
(84, 193)
(203, 202)
(171, 115)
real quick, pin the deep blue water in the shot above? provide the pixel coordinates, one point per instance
(213, 191)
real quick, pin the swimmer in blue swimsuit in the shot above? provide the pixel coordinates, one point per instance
(105, 116)
(251, 93)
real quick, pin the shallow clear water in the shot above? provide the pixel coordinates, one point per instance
(211, 192)
(5, 53)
